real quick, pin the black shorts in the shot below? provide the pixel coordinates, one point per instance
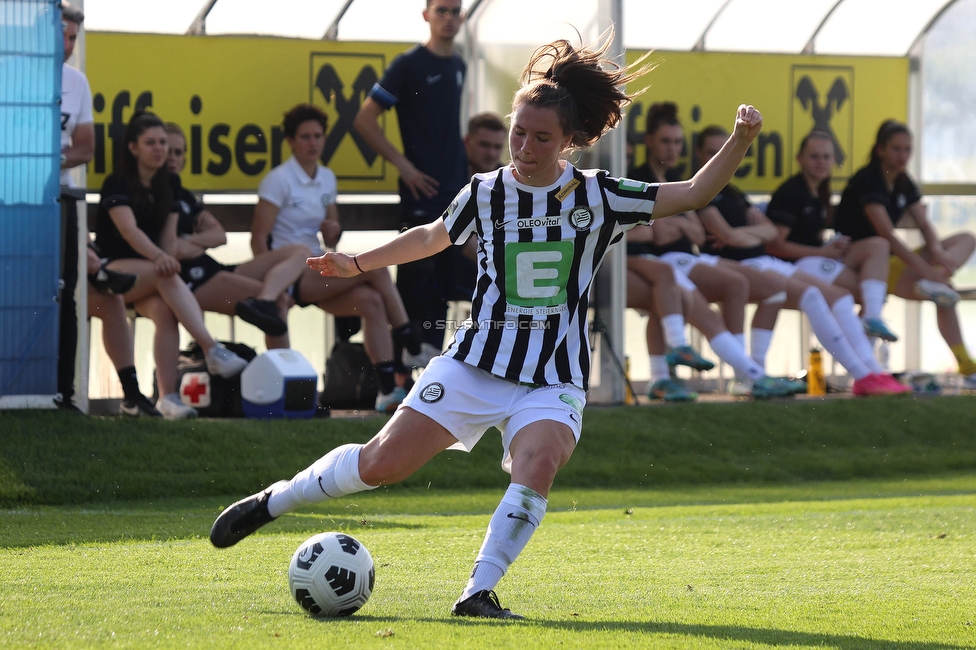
(197, 271)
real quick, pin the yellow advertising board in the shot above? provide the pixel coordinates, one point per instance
(847, 96)
(229, 93)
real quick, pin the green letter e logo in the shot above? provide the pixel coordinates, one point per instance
(536, 272)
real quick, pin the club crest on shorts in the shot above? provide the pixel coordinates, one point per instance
(828, 266)
(580, 217)
(432, 393)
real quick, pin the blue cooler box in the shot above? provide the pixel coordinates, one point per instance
(279, 384)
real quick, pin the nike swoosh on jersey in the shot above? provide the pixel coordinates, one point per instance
(433, 78)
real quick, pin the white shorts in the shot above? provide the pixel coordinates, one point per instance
(467, 401)
(770, 263)
(683, 263)
(822, 268)
(681, 280)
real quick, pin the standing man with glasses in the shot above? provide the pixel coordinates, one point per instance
(424, 84)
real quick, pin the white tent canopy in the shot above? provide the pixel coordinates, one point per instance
(887, 27)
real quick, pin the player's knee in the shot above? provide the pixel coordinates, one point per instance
(542, 461)
(300, 251)
(737, 288)
(877, 247)
(370, 304)
(378, 468)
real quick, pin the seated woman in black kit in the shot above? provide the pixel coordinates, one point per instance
(874, 201)
(800, 208)
(105, 302)
(256, 290)
(136, 231)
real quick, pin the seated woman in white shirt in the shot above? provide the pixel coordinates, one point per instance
(297, 202)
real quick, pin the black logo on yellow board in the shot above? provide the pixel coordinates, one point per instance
(339, 84)
(823, 99)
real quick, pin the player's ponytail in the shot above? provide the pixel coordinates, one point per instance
(585, 88)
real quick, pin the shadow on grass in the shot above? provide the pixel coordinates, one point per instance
(729, 633)
(26, 528)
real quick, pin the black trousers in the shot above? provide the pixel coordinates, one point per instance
(427, 285)
(68, 310)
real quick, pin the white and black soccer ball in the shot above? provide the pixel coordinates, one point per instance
(331, 574)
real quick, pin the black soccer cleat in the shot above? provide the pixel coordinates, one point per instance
(483, 604)
(263, 314)
(241, 519)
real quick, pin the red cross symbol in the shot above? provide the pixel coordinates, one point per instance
(194, 388)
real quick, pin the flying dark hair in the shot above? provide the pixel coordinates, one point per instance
(582, 86)
(159, 194)
(887, 130)
(662, 114)
(301, 113)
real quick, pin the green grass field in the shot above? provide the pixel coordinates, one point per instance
(839, 524)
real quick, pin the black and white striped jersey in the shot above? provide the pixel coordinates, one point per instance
(539, 251)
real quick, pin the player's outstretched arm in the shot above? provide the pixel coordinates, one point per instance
(411, 245)
(696, 192)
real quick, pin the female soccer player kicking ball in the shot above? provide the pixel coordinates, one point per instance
(522, 362)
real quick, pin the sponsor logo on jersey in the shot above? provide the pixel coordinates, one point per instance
(432, 393)
(630, 185)
(536, 274)
(580, 218)
(538, 222)
(451, 209)
(567, 189)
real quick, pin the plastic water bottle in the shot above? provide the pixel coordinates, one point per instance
(883, 355)
(816, 382)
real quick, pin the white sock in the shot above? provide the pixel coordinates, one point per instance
(759, 340)
(829, 332)
(674, 330)
(517, 517)
(731, 352)
(853, 328)
(659, 367)
(873, 294)
(334, 475)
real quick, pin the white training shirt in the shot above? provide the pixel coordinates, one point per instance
(539, 250)
(301, 202)
(76, 108)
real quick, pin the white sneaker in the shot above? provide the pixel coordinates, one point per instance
(938, 292)
(422, 358)
(171, 407)
(223, 362)
(740, 388)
